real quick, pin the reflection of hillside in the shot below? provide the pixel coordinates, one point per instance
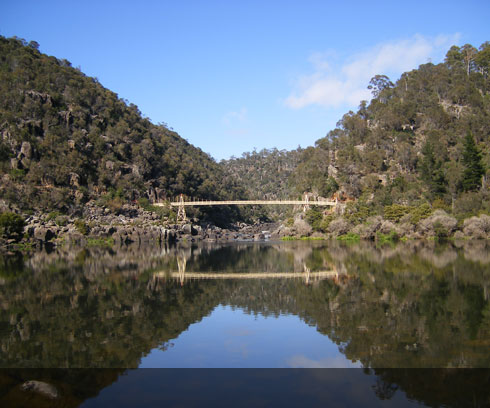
(73, 386)
(407, 306)
(436, 387)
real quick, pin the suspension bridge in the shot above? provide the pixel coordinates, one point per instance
(306, 202)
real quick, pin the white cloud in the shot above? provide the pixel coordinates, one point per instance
(332, 85)
(235, 116)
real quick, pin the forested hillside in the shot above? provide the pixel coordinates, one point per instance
(265, 173)
(422, 143)
(65, 139)
(425, 138)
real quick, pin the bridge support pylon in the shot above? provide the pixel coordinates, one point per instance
(306, 200)
(181, 217)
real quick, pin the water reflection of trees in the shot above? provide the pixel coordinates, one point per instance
(410, 305)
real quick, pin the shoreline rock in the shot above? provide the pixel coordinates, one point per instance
(132, 224)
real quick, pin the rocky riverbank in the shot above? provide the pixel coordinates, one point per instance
(131, 224)
(98, 225)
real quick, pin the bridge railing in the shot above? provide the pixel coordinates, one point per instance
(250, 202)
(306, 203)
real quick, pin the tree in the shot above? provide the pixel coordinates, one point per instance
(472, 161)
(482, 59)
(468, 52)
(454, 57)
(378, 83)
(11, 225)
(34, 44)
(431, 171)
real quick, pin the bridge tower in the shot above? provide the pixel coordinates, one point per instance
(181, 217)
(306, 200)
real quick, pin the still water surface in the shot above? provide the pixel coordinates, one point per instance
(260, 305)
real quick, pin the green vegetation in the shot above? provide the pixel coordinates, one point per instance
(423, 137)
(100, 242)
(395, 212)
(349, 237)
(163, 212)
(82, 227)
(390, 238)
(474, 169)
(421, 144)
(420, 212)
(264, 175)
(11, 226)
(66, 139)
(302, 238)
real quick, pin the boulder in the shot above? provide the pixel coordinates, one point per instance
(41, 387)
(26, 150)
(43, 234)
(189, 229)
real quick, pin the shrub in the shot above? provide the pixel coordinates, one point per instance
(387, 227)
(440, 231)
(61, 220)
(468, 203)
(406, 228)
(58, 218)
(52, 215)
(369, 228)
(17, 174)
(338, 226)
(439, 204)
(420, 212)
(11, 225)
(161, 211)
(326, 222)
(314, 217)
(115, 204)
(350, 237)
(356, 213)
(82, 227)
(439, 224)
(477, 227)
(390, 238)
(459, 235)
(395, 212)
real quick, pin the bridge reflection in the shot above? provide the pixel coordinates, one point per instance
(307, 275)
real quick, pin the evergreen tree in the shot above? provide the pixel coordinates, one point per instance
(474, 169)
(431, 171)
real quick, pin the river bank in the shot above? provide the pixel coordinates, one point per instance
(132, 224)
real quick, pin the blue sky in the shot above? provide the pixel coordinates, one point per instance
(231, 76)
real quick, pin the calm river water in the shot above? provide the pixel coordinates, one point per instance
(414, 319)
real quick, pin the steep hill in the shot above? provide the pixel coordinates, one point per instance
(265, 173)
(65, 139)
(425, 138)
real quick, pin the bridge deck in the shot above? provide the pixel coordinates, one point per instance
(249, 202)
(251, 275)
